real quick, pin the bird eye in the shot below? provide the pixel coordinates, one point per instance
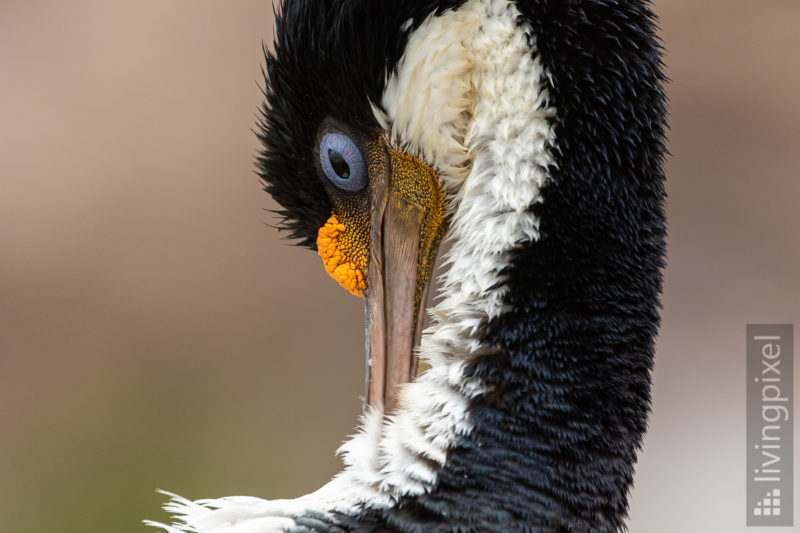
(342, 162)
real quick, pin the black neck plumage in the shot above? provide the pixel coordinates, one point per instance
(555, 440)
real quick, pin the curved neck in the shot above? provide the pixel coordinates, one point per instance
(541, 346)
(545, 331)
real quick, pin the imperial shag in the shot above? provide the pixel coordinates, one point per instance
(527, 135)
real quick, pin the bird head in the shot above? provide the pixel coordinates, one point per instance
(358, 184)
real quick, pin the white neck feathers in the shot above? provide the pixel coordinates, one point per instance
(466, 98)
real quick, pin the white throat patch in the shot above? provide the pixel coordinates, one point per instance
(466, 98)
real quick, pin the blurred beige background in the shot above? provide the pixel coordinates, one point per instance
(156, 332)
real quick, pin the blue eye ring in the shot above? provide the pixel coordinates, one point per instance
(342, 162)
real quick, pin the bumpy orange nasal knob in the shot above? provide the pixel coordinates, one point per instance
(344, 257)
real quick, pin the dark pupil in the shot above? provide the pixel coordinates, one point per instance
(339, 164)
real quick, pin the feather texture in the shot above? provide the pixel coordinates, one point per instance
(545, 120)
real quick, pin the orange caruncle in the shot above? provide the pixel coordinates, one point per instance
(344, 256)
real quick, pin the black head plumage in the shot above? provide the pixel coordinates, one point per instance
(330, 59)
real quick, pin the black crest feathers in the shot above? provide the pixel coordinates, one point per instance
(328, 59)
